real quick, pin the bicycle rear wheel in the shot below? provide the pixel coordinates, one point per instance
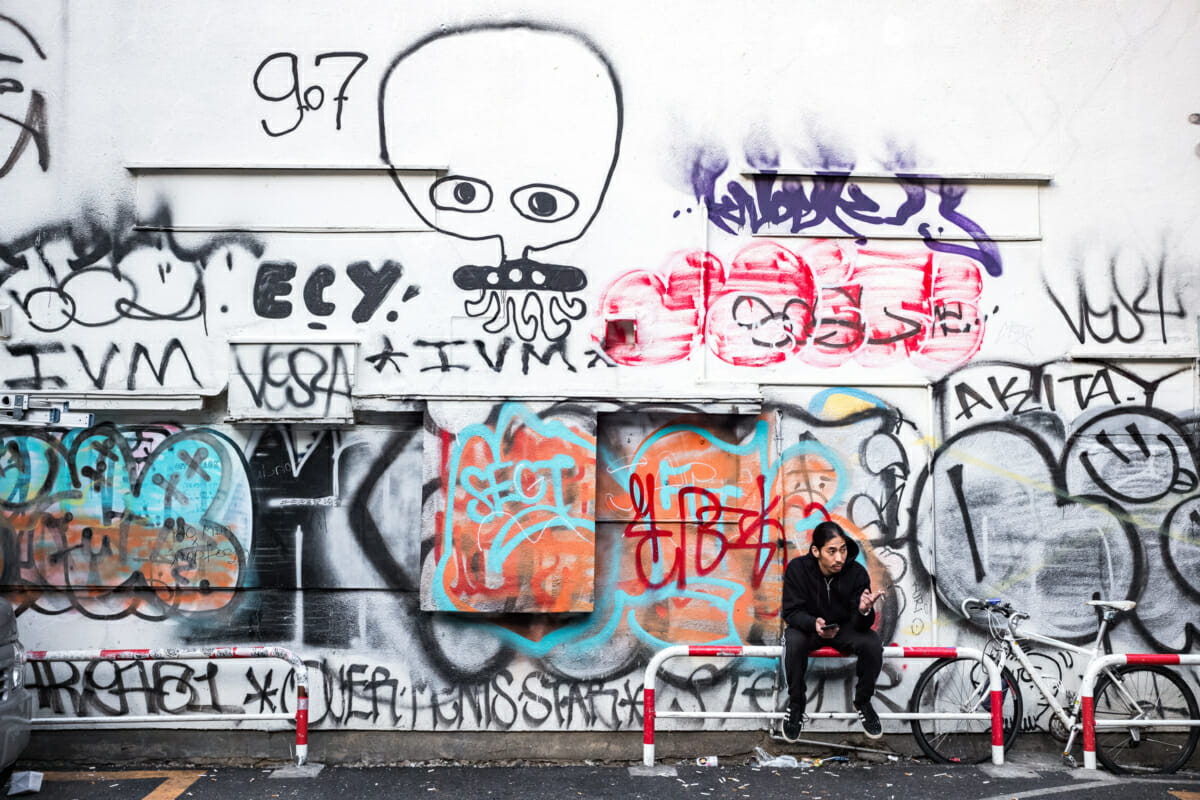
(955, 686)
(1145, 693)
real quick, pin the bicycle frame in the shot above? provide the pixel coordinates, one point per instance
(1071, 721)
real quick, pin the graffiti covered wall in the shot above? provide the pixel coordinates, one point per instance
(478, 355)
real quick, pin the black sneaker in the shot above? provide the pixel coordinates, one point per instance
(872, 727)
(793, 725)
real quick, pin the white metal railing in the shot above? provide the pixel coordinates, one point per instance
(650, 714)
(1086, 689)
(184, 654)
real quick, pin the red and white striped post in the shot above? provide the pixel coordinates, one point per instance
(183, 654)
(650, 714)
(1087, 689)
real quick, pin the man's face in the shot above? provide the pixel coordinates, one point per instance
(831, 557)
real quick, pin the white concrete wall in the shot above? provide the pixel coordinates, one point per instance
(880, 256)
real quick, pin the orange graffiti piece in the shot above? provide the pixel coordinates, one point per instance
(187, 568)
(702, 534)
(521, 521)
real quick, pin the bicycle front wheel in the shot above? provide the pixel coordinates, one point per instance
(957, 686)
(1145, 693)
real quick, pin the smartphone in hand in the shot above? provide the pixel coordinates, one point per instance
(830, 627)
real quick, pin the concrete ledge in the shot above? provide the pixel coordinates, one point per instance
(234, 747)
(653, 772)
(292, 771)
(351, 747)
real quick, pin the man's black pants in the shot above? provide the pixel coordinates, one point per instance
(863, 644)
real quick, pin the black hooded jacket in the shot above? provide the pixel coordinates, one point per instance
(808, 594)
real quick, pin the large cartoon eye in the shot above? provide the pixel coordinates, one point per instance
(542, 202)
(456, 193)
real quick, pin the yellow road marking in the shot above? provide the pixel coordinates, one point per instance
(174, 782)
(1182, 795)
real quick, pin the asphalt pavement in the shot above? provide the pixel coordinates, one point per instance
(863, 780)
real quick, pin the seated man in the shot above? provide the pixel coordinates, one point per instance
(827, 601)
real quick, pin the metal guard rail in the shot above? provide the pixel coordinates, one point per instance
(1088, 686)
(650, 714)
(185, 654)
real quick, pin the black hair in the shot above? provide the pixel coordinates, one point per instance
(826, 531)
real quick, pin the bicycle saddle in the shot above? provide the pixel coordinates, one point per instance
(1116, 605)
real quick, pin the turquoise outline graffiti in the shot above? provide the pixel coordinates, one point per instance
(613, 606)
(504, 544)
(202, 497)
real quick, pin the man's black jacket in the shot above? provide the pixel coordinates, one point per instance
(807, 594)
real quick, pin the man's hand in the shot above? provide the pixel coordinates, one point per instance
(825, 634)
(868, 599)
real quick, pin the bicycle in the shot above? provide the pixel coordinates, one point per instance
(1136, 692)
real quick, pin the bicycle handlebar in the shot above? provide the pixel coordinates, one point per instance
(992, 606)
